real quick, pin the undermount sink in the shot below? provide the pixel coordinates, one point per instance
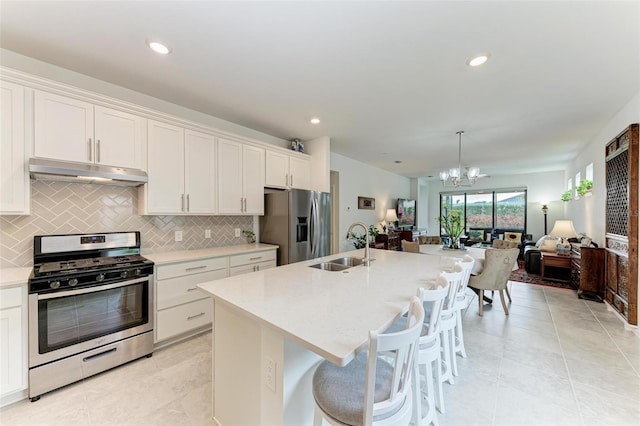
(339, 264)
(328, 266)
(347, 261)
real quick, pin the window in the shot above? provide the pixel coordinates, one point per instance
(575, 193)
(588, 175)
(502, 209)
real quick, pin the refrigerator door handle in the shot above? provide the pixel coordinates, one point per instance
(315, 221)
(312, 229)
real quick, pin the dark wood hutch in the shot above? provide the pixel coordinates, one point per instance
(622, 163)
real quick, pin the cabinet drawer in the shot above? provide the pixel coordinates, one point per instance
(10, 297)
(245, 269)
(190, 267)
(183, 318)
(179, 290)
(255, 257)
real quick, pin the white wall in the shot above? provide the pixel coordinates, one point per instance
(588, 213)
(358, 179)
(541, 188)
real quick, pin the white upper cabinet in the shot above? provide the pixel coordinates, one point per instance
(14, 188)
(72, 130)
(299, 173)
(276, 170)
(200, 172)
(181, 169)
(285, 171)
(240, 178)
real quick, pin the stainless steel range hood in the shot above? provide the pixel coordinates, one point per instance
(43, 169)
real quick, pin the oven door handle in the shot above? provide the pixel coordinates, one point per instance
(91, 289)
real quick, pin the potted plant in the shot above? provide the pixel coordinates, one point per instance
(249, 235)
(566, 195)
(359, 240)
(451, 224)
(584, 187)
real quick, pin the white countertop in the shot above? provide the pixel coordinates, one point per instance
(186, 255)
(329, 312)
(10, 277)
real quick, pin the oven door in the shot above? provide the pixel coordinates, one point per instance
(65, 323)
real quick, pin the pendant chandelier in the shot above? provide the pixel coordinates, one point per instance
(454, 176)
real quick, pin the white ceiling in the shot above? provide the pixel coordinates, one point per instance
(387, 79)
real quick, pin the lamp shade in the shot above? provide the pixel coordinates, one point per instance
(391, 216)
(563, 229)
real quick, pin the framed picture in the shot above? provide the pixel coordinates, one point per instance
(366, 203)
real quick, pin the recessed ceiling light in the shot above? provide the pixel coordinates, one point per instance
(478, 60)
(159, 47)
(315, 121)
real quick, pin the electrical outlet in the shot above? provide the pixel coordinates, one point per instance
(178, 235)
(207, 233)
(237, 232)
(270, 374)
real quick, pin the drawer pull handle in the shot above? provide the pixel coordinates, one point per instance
(192, 289)
(196, 267)
(98, 355)
(255, 258)
(195, 316)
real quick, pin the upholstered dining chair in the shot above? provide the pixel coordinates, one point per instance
(376, 386)
(409, 246)
(429, 239)
(498, 264)
(504, 244)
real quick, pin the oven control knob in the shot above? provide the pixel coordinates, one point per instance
(73, 281)
(124, 274)
(137, 272)
(54, 284)
(100, 277)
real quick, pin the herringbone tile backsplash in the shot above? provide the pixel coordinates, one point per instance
(67, 208)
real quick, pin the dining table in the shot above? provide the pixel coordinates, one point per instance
(451, 256)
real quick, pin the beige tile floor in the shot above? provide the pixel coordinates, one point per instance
(556, 360)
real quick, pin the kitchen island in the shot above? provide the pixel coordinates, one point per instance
(271, 328)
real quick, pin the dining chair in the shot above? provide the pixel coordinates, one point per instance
(504, 244)
(447, 326)
(467, 263)
(498, 264)
(410, 247)
(428, 364)
(376, 386)
(429, 239)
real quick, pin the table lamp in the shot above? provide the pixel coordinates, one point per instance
(391, 218)
(563, 229)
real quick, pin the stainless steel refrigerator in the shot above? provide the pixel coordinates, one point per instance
(299, 222)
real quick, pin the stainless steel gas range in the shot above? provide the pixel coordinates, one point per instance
(90, 307)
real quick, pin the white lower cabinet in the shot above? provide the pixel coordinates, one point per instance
(13, 338)
(251, 262)
(180, 306)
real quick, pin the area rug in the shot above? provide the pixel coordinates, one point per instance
(521, 275)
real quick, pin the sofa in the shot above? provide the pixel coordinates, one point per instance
(532, 252)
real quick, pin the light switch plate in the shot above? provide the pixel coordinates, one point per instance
(237, 232)
(207, 233)
(178, 235)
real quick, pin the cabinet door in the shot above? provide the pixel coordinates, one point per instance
(118, 138)
(276, 173)
(300, 170)
(230, 196)
(253, 179)
(12, 335)
(63, 128)
(14, 189)
(165, 167)
(200, 172)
